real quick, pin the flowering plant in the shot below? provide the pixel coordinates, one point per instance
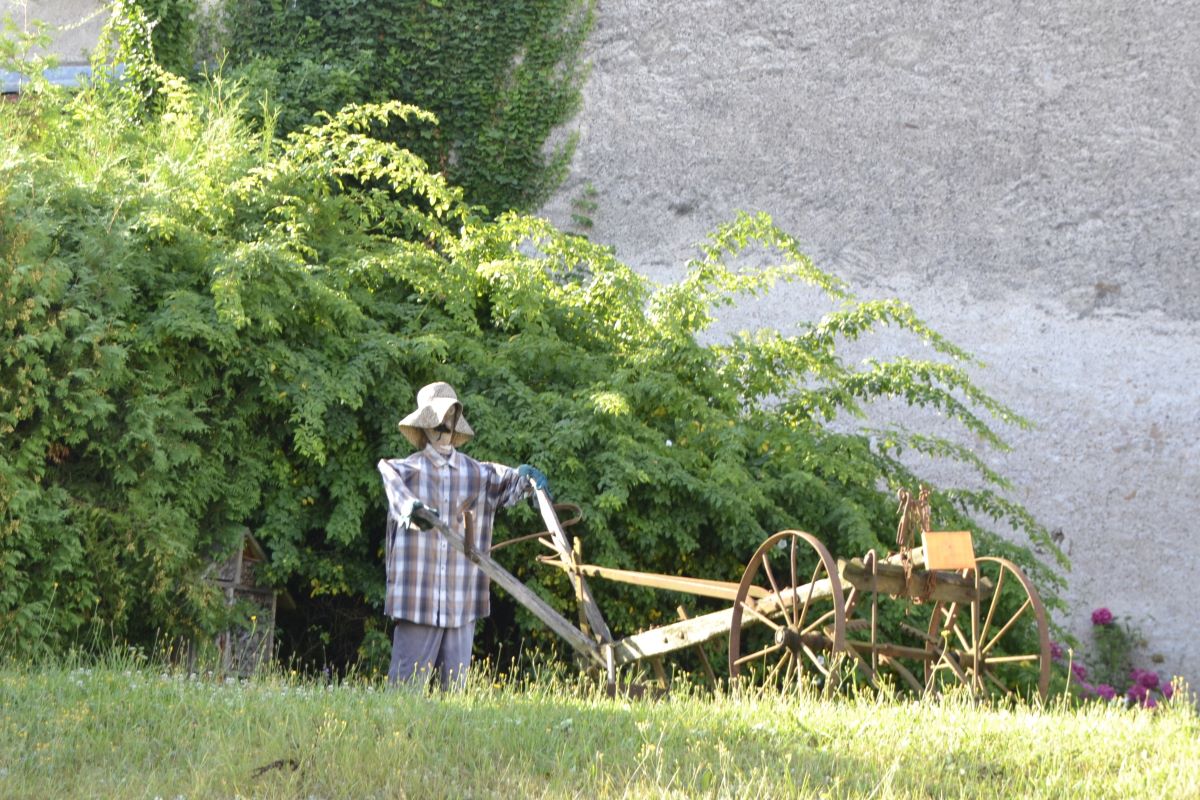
(1112, 666)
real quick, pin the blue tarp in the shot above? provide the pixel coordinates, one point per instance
(72, 75)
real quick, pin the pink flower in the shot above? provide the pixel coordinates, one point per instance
(1137, 693)
(1106, 692)
(1102, 616)
(1149, 679)
(1079, 670)
(1168, 691)
(1056, 651)
(1149, 702)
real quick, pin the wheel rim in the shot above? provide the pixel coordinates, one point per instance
(998, 645)
(788, 621)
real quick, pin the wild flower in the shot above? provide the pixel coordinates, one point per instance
(1116, 643)
(1145, 677)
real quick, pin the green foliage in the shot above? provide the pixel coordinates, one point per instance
(498, 76)
(174, 33)
(584, 206)
(1112, 656)
(204, 328)
(18, 44)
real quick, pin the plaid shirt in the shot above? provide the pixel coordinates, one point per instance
(428, 581)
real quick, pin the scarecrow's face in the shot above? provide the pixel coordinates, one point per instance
(442, 436)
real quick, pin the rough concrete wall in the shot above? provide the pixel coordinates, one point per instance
(74, 25)
(1025, 173)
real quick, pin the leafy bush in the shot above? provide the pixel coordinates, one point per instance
(498, 76)
(204, 328)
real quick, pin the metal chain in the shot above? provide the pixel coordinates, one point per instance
(912, 515)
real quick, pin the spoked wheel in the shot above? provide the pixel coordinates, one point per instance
(788, 622)
(999, 644)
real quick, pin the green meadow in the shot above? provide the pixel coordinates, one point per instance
(126, 729)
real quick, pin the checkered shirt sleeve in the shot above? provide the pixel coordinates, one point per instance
(428, 581)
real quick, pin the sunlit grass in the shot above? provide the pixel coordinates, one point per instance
(125, 728)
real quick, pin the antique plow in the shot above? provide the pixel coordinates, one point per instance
(798, 615)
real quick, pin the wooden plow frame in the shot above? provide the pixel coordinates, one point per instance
(820, 628)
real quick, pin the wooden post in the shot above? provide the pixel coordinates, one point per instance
(660, 673)
(577, 581)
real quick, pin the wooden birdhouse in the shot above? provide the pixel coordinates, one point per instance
(243, 650)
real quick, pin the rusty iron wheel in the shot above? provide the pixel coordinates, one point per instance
(998, 645)
(788, 623)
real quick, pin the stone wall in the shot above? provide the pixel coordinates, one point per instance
(1025, 173)
(74, 25)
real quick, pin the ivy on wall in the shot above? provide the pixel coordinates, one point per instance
(500, 77)
(174, 32)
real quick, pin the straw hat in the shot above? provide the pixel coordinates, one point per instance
(433, 403)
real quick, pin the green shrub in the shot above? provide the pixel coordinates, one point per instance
(204, 328)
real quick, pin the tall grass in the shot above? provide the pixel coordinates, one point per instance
(125, 728)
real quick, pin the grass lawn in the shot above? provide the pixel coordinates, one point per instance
(131, 730)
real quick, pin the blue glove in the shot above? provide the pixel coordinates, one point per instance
(535, 475)
(408, 507)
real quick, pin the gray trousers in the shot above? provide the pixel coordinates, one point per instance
(419, 651)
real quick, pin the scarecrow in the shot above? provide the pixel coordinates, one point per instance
(434, 592)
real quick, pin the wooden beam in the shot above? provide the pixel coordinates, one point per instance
(924, 584)
(520, 592)
(669, 638)
(558, 538)
(697, 630)
(708, 670)
(701, 587)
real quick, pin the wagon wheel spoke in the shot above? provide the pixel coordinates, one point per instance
(763, 618)
(944, 639)
(952, 664)
(1025, 659)
(766, 563)
(783, 662)
(815, 660)
(811, 586)
(950, 623)
(996, 592)
(819, 621)
(962, 638)
(763, 653)
(794, 578)
(1008, 626)
(997, 682)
